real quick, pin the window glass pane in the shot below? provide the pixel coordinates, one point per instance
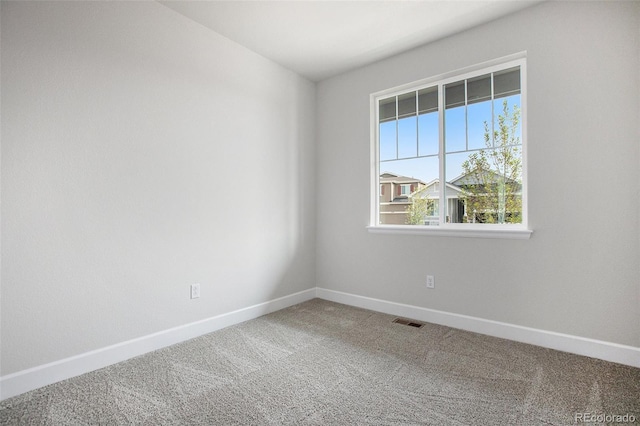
(479, 120)
(454, 94)
(424, 209)
(428, 134)
(479, 89)
(388, 140)
(488, 181)
(482, 142)
(408, 137)
(428, 100)
(411, 191)
(387, 109)
(506, 83)
(424, 169)
(454, 207)
(493, 194)
(407, 104)
(455, 132)
(453, 165)
(507, 128)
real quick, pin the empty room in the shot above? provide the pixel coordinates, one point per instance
(320, 212)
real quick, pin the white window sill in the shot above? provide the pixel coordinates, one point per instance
(495, 231)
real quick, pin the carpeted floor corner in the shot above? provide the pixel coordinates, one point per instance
(322, 363)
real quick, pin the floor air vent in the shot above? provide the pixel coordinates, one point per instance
(408, 322)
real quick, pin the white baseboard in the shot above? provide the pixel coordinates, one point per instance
(33, 378)
(622, 354)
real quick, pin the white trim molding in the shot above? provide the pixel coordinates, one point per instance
(437, 231)
(607, 351)
(33, 378)
(438, 84)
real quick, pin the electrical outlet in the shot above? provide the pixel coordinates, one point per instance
(431, 281)
(195, 291)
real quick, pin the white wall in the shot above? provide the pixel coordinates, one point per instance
(579, 273)
(141, 152)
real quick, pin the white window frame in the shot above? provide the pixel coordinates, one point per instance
(511, 231)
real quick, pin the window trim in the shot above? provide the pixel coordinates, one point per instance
(510, 231)
(473, 231)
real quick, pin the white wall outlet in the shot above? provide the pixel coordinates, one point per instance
(195, 291)
(431, 281)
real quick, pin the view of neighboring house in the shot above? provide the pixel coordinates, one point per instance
(455, 205)
(397, 194)
(395, 197)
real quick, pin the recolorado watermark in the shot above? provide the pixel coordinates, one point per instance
(604, 418)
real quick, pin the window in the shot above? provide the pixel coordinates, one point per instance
(459, 140)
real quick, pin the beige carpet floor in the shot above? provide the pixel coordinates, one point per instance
(322, 363)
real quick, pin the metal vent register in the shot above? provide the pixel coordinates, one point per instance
(409, 322)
